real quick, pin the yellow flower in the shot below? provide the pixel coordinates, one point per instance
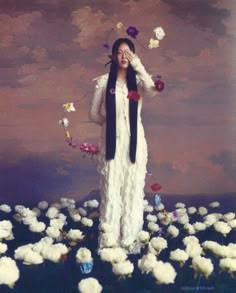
(67, 134)
(69, 107)
(119, 25)
(153, 44)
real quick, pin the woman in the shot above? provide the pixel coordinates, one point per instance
(123, 148)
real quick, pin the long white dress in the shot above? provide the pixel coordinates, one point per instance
(121, 181)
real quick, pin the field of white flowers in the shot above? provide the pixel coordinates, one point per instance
(52, 248)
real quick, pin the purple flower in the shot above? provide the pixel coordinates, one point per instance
(106, 47)
(132, 31)
(158, 76)
(160, 231)
(112, 91)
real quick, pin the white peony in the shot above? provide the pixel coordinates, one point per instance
(151, 218)
(153, 227)
(164, 273)
(179, 255)
(75, 234)
(148, 209)
(202, 265)
(198, 226)
(8, 265)
(123, 268)
(5, 208)
(202, 211)
(3, 248)
(89, 285)
(87, 222)
(173, 231)
(83, 255)
(43, 205)
(228, 265)
(143, 236)
(113, 255)
(228, 217)
(157, 244)
(189, 228)
(159, 32)
(214, 204)
(222, 227)
(193, 249)
(52, 212)
(147, 263)
(192, 210)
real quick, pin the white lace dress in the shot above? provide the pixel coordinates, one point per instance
(122, 182)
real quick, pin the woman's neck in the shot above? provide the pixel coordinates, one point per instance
(121, 74)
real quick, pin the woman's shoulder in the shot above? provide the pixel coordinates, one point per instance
(101, 80)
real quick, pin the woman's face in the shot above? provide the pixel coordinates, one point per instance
(121, 58)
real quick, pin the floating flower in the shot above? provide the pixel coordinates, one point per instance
(133, 95)
(159, 32)
(112, 91)
(119, 25)
(153, 44)
(113, 255)
(157, 200)
(143, 236)
(222, 227)
(132, 32)
(5, 208)
(228, 265)
(159, 85)
(69, 107)
(105, 47)
(64, 122)
(156, 187)
(89, 148)
(214, 204)
(157, 244)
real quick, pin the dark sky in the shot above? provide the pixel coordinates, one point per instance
(51, 50)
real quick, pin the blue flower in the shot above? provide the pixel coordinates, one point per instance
(132, 31)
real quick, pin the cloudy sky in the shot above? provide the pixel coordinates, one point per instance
(50, 50)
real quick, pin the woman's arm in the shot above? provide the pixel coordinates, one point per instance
(146, 80)
(95, 109)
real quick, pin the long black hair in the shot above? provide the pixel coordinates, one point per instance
(111, 104)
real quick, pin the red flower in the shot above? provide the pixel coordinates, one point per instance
(133, 95)
(159, 85)
(156, 187)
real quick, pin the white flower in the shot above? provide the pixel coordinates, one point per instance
(147, 263)
(52, 212)
(183, 219)
(228, 217)
(91, 204)
(37, 227)
(190, 239)
(113, 255)
(69, 107)
(164, 273)
(75, 234)
(151, 218)
(210, 219)
(123, 268)
(232, 224)
(21, 251)
(214, 204)
(32, 258)
(143, 236)
(153, 43)
(87, 222)
(76, 217)
(198, 226)
(145, 202)
(8, 265)
(53, 232)
(192, 210)
(193, 249)
(228, 265)
(160, 207)
(54, 252)
(159, 32)
(179, 205)
(202, 211)
(153, 227)
(84, 255)
(189, 228)
(89, 285)
(173, 231)
(82, 212)
(157, 244)
(3, 248)
(148, 209)
(216, 248)
(5, 208)
(179, 255)
(5, 229)
(222, 227)
(57, 223)
(64, 122)
(43, 205)
(202, 265)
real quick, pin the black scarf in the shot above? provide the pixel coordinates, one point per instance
(111, 123)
